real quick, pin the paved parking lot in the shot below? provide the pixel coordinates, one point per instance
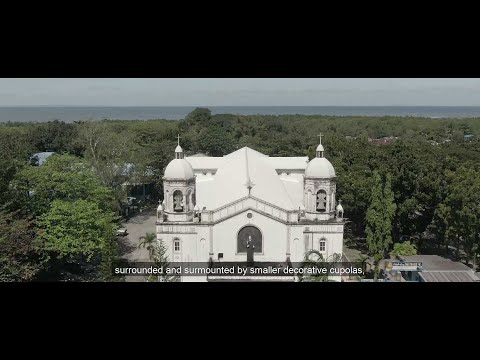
(137, 226)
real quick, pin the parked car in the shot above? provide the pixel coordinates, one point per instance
(122, 232)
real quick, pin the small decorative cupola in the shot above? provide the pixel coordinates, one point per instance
(339, 210)
(320, 151)
(178, 150)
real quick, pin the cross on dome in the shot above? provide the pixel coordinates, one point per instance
(320, 150)
(320, 135)
(178, 149)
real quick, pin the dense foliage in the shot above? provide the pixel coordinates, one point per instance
(434, 175)
(404, 249)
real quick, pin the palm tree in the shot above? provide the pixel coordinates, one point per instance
(157, 252)
(365, 263)
(149, 242)
(314, 259)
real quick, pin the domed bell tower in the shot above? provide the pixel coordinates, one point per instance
(319, 187)
(178, 189)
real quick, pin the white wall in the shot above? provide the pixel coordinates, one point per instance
(195, 247)
(274, 236)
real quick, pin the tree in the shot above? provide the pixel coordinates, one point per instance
(109, 153)
(315, 261)
(389, 207)
(379, 220)
(56, 136)
(458, 215)
(74, 234)
(404, 249)
(62, 177)
(157, 252)
(19, 258)
(199, 116)
(216, 141)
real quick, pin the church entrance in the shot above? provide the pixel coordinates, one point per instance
(249, 241)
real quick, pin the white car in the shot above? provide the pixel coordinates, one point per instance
(122, 232)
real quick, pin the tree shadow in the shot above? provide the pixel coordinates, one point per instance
(359, 244)
(124, 246)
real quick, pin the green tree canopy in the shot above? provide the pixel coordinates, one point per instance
(404, 249)
(19, 258)
(379, 219)
(74, 229)
(62, 177)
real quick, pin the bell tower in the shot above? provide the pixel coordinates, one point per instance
(319, 187)
(179, 188)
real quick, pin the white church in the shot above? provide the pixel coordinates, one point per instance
(216, 207)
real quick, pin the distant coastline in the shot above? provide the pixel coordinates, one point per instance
(77, 113)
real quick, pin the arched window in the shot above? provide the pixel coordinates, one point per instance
(321, 201)
(249, 236)
(178, 201)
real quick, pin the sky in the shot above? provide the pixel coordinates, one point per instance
(239, 92)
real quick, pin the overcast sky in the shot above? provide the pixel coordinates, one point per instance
(240, 92)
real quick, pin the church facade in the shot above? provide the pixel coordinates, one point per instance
(221, 209)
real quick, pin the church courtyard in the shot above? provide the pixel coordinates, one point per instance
(136, 226)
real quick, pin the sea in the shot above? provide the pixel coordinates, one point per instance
(79, 113)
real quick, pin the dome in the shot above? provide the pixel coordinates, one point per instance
(178, 149)
(179, 169)
(320, 147)
(320, 168)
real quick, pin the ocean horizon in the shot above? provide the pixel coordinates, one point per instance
(69, 113)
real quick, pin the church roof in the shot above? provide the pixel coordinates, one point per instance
(280, 163)
(230, 181)
(201, 163)
(288, 163)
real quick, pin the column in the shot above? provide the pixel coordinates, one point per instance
(288, 240)
(211, 240)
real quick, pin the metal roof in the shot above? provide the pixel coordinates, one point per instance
(448, 276)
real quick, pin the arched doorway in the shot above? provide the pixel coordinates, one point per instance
(253, 234)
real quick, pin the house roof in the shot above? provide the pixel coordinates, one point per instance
(436, 263)
(449, 276)
(438, 269)
(42, 156)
